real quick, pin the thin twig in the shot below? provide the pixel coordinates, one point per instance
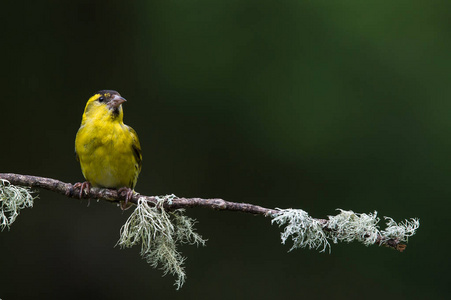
(71, 191)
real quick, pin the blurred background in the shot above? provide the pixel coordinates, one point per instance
(293, 104)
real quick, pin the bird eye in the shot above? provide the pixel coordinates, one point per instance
(101, 99)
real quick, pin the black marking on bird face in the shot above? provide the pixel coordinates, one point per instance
(115, 112)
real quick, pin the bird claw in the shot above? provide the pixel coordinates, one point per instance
(83, 186)
(127, 193)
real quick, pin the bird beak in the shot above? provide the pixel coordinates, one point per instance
(116, 101)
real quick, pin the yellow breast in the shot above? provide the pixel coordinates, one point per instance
(106, 154)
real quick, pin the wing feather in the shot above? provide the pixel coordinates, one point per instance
(136, 146)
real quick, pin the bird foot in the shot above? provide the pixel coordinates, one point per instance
(83, 186)
(128, 194)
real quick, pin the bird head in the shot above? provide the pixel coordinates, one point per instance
(105, 103)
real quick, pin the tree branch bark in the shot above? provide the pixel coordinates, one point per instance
(69, 190)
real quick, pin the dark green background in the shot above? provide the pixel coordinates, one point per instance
(306, 104)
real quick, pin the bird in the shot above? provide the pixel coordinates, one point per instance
(109, 151)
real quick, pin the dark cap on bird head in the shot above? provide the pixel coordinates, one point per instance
(112, 98)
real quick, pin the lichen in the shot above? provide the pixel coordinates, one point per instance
(12, 200)
(159, 233)
(402, 230)
(303, 229)
(347, 226)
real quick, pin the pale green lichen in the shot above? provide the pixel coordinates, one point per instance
(401, 230)
(347, 226)
(159, 232)
(303, 229)
(12, 200)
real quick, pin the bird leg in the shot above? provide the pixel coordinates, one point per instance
(128, 194)
(84, 186)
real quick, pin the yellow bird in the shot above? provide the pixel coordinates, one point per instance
(108, 150)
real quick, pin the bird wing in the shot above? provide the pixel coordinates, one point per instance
(136, 146)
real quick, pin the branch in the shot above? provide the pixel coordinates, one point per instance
(304, 230)
(71, 191)
(158, 223)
